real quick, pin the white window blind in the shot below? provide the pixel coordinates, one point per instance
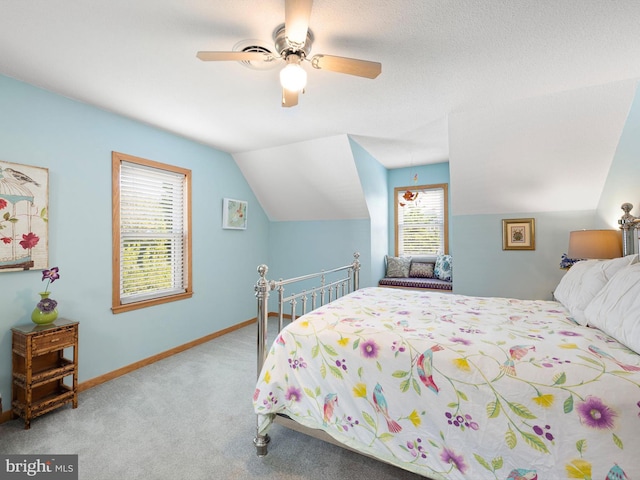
(152, 233)
(421, 224)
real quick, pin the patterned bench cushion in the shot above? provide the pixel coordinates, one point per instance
(411, 282)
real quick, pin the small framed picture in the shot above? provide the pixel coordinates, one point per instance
(518, 234)
(234, 214)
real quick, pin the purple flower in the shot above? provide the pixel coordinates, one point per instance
(471, 330)
(463, 341)
(369, 349)
(569, 333)
(47, 305)
(293, 394)
(270, 401)
(449, 456)
(416, 449)
(544, 432)
(51, 275)
(595, 414)
(297, 363)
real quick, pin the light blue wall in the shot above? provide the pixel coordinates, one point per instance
(403, 177)
(373, 177)
(481, 267)
(299, 248)
(74, 141)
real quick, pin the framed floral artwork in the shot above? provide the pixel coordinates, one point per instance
(518, 234)
(234, 214)
(24, 216)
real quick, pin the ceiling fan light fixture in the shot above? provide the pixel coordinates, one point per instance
(292, 42)
(293, 77)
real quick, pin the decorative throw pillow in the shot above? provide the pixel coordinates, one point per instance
(584, 280)
(398, 267)
(421, 270)
(616, 308)
(571, 293)
(444, 268)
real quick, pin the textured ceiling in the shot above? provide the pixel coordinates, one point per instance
(440, 59)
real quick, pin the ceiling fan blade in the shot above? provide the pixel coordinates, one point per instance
(296, 21)
(289, 98)
(350, 66)
(232, 56)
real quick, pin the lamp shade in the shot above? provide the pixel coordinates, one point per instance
(594, 244)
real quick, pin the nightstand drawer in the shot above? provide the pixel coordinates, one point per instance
(53, 341)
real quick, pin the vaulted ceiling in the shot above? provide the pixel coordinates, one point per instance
(453, 75)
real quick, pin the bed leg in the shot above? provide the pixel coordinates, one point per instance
(261, 442)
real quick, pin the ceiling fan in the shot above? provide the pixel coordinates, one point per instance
(293, 41)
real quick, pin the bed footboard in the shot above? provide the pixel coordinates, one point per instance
(327, 286)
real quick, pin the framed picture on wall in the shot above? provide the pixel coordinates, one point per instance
(24, 217)
(518, 234)
(234, 214)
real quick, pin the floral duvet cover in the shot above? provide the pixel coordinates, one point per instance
(458, 387)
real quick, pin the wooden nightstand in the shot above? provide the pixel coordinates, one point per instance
(40, 368)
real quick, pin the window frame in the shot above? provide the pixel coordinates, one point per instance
(419, 188)
(117, 306)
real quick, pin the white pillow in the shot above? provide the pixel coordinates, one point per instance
(616, 308)
(584, 280)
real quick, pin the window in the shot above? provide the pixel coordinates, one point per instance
(422, 225)
(151, 233)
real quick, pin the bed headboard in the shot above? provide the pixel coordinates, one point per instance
(629, 226)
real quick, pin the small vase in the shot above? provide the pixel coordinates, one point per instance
(44, 317)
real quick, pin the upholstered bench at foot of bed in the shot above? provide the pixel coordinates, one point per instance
(418, 283)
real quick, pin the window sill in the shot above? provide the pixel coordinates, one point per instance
(150, 303)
